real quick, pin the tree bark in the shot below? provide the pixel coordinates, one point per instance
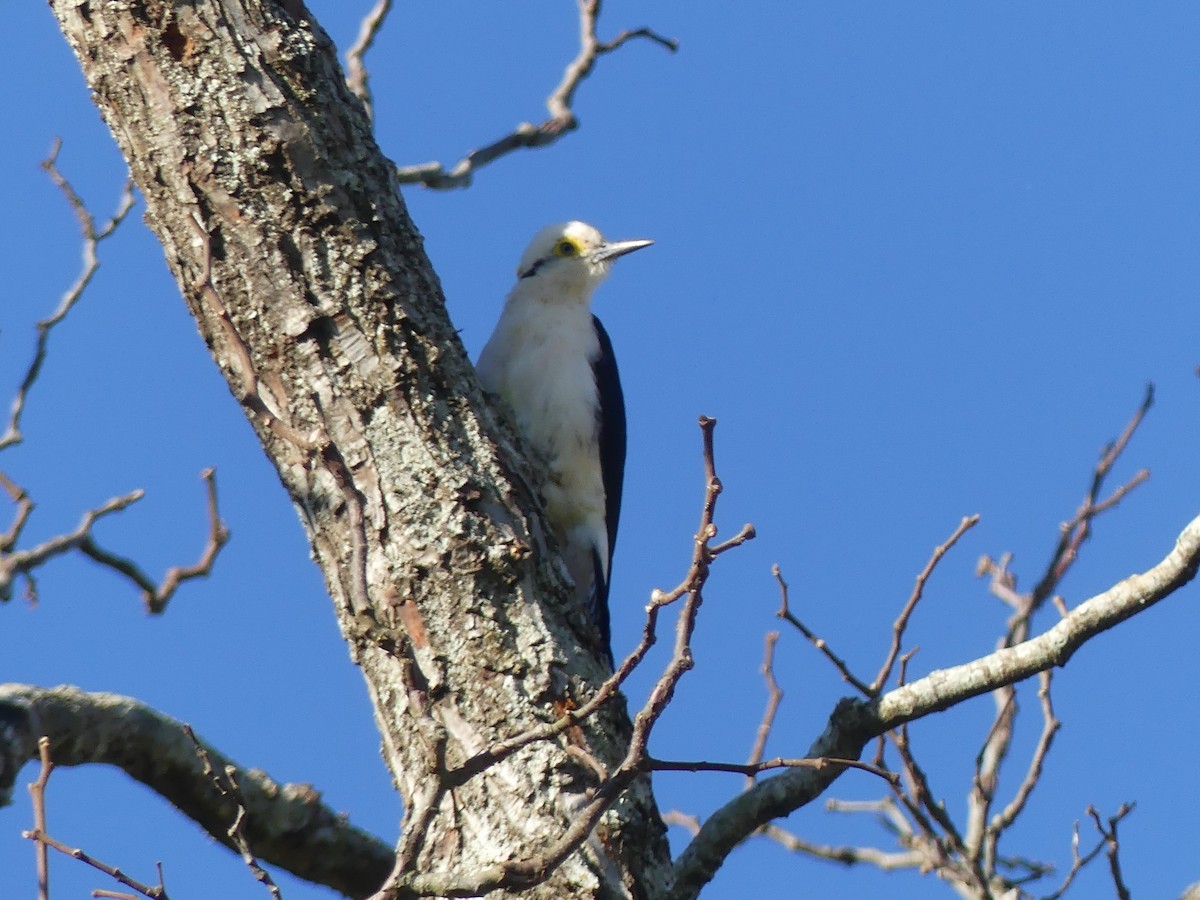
(282, 224)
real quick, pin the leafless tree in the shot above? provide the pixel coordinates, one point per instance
(520, 770)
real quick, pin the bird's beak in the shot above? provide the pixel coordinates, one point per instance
(613, 249)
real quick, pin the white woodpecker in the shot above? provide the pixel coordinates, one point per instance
(551, 361)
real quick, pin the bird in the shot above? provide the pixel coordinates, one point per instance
(551, 361)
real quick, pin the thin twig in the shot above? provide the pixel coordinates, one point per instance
(774, 697)
(1002, 582)
(154, 892)
(20, 497)
(1074, 533)
(357, 76)
(218, 537)
(919, 799)
(37, 791)
(525, 873)
(1112, 845)
(227, 785)
(25, 561)
(560, 104)
(92, 237)
(901, 623)
(42, 841)
(82, 539)
(885, 809)
(784, 612)
(750, 769)
(238, 836)
(986, 777)
(1050, 727)
(1077, 864)
(880, 859)
(659, 599)
(1080, 861)
(683, 820)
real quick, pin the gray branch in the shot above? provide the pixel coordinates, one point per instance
(286, 825)
(855, 722)
(93, 236)
(560, 104)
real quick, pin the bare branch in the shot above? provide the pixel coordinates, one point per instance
(702, 554)
(1112, 845)
(888, 813)
(982, 835)
(1075, 532)
(560, 104)
(357, 76)
(986, 777)
(919, 800)
(1002, 582)
(24, 504)
(880, 859)
(528, 872)
(923, 851)
(218, 537)
(92, 237)
(1054, 647)
(784, 612)
(287, 824)
(682, 819)
(1079, 862)
(155, 596)
(155, 892)
(747, 533)
(969, 858)
(751, 769)
(227, 786)
(1050, 727)
(855, 722)
(43, 841)
(37, 792)
(25, 561)
(774, 697)
(901, 623)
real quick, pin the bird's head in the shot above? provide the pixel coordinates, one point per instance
(571, 257)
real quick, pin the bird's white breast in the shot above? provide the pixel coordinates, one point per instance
(539, 360)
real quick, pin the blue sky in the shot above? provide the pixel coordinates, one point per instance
(918, 261)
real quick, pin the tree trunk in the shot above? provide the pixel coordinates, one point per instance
(294, 252)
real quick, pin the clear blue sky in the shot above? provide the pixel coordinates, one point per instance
(919, 262)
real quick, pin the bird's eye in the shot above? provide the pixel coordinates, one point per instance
(566, 248)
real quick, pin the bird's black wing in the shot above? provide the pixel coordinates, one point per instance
(612, 470)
